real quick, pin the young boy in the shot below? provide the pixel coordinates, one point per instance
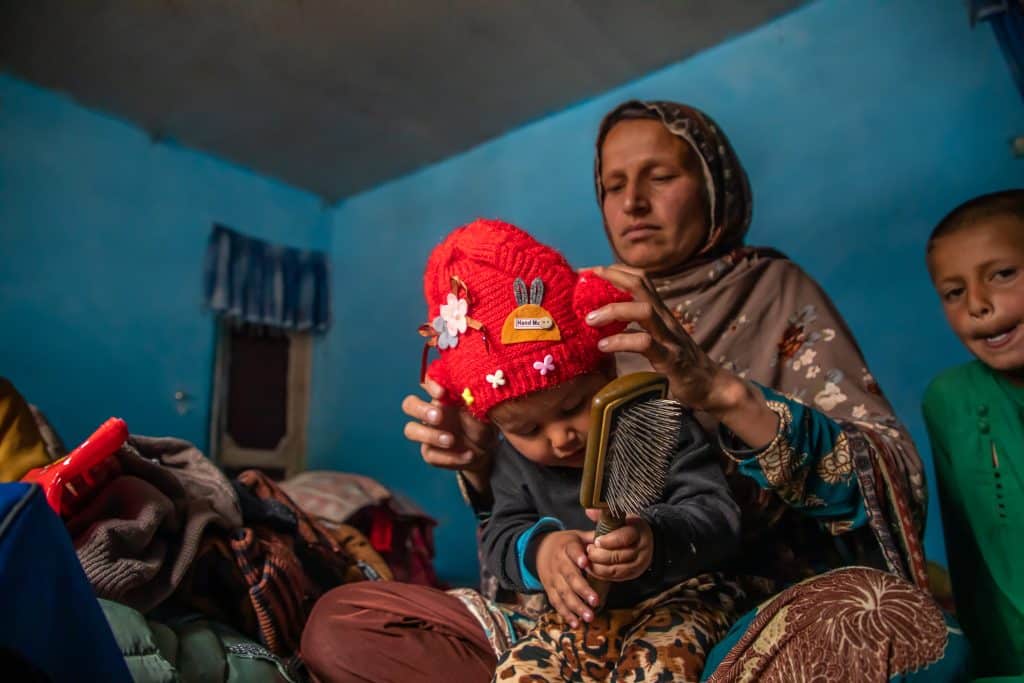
(974, 415)
(507, 314)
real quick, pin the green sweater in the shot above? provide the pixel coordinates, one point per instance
(975, 421)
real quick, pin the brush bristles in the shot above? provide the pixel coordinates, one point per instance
(643, 439)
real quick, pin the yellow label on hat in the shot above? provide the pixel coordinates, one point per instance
(529, 321)
(545, 323)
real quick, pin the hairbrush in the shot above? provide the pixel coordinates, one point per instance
(634, 432)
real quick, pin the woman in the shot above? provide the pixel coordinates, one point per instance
(824, 473)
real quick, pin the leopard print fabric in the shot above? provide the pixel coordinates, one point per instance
(664, 638)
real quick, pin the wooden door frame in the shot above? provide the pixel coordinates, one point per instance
(289, 454)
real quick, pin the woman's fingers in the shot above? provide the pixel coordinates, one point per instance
(629, 279)
(650, 315)
(448, 421)
(622, 268)
(418, 409)
(636, 342)
(618, 274)
(623, 311)
(662, 340)
(435, 390)
(427, 435)
(644, 294)
(446, 458)
(476, 432)
(449, 437)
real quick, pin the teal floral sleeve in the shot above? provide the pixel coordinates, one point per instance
(808, 464)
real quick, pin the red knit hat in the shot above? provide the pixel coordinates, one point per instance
(506, 313)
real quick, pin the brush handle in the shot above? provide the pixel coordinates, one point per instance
(606, 524)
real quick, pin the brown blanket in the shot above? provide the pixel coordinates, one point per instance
(137, 538)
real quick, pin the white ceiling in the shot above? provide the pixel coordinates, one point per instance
(336, 96)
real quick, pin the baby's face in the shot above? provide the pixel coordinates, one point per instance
(550, 427)
(978, 272)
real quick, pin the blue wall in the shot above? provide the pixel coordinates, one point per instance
(102, 237)
(860, 121)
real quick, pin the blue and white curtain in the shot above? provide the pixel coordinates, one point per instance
(253, 281)
(1007, 20)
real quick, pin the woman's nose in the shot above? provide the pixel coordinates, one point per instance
(636, 199)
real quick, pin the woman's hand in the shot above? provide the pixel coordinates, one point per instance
(623, 554)
(561, 561)
(694, 380)
(450, 437)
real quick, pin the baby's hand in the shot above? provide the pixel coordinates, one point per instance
(623, 554)
(561, 560)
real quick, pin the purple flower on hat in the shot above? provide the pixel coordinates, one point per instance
(444, 339)
(545, 366)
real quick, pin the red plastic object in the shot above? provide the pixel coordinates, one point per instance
(382, 530)
(70, 482)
